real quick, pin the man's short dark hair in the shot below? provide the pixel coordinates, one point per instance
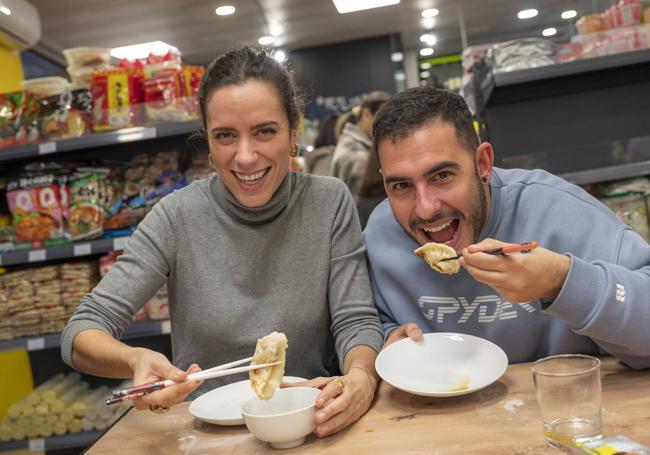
(416, 107)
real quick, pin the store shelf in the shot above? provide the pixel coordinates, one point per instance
(65, 251)
(607, 174)
(53, 340)
(92, 141)
(66, 441)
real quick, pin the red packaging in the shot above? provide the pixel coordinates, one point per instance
(111, 100)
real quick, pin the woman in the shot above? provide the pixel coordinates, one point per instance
(251, 250)
(318, 161)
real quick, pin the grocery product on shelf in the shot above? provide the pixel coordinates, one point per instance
(63, 404)
(629, 199)
(521, 54)
(19, 112)
(86, 215)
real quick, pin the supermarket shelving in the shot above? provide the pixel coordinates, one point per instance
(93, 141)
(65, 251)
(66, 441)
(138, 329)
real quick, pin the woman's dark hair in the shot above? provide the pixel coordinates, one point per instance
(327, 131)
(239, 66)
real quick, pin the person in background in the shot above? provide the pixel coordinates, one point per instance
(239, 262)
(319, 161)
(371, 192)
(585, 289)
(355, 144)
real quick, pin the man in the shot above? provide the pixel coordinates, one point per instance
(584, 290)
(355, 143)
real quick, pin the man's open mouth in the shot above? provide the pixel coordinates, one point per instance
(443, 232)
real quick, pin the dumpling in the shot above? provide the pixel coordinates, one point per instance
(433, 252)
(270, 349)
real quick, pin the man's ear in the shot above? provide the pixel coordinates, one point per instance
(484, 158)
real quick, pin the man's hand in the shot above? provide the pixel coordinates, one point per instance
(518, 277)
(151, 366)
(410, 330)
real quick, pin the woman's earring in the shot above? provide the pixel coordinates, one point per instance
(293, 151)
(484, 179)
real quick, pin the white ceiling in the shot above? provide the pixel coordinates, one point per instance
(193, 26)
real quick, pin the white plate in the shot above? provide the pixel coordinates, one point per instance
(222, 406)
(442, 365)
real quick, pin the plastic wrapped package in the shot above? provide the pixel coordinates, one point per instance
(38, 205)
(112, 99)
(19, 112)
(86, 214)
(158, 307)
(632, 209)
(87, 56)
(163, 92)
(521, 54)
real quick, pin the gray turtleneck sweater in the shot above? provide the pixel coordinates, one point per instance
(296, 265)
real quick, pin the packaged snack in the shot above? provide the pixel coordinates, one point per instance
(38, 205)
(86, 214)
(162, 88)
(19, 112)
(111, 99)
(190, 82)
(87, 56)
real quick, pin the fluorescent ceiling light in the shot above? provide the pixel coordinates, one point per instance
(142, 50)
(400, 76)
(426, 51)
(225, 10)
(549, 31)
(425, 66)
(276, 30)
(570, 14)
(431, 12)
(5, 10)
(527, 13)
(428, 23)
(348, 6)
(396, 57)
(280, 56)
(428, 38)
(266, 40)
(425, 75)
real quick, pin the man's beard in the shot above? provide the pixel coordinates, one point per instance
(477, 215)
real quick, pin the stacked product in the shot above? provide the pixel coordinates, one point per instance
(629, 199)
(63, 404)
(40, 300)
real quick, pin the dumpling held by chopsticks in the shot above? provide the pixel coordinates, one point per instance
(433, 252)
(270, 349)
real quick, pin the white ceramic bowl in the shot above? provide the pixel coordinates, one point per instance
(283, 421)
(442, 364)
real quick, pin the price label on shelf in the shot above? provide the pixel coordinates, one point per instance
(37, 445)
(118, 243)
(81, 249)
(36, 256)
(36, 344)
(46, 147)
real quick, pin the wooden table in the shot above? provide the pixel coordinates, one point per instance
(500, 419)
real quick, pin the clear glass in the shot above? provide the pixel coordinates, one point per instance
(569, 396)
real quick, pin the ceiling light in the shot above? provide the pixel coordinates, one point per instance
(266, 40)
(225, 10)
(396, 57)
(570, 14)
(428, 38)
(549, 31)
(425, 75)
(425, 66)
(400, 76)
(426, 51)
(142, 50)
(280, 56)
(431, 12)
(276, 30)
(527, 13)
(348, 6)
(428, 23)
(5, 10)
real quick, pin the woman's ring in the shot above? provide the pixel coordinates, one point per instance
(339, 382)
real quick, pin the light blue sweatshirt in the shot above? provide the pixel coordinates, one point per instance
(603, 305)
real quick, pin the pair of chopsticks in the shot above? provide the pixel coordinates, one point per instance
(215, 372)
(521, 248)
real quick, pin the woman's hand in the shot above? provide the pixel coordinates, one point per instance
(335, 410)
(149, 366)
